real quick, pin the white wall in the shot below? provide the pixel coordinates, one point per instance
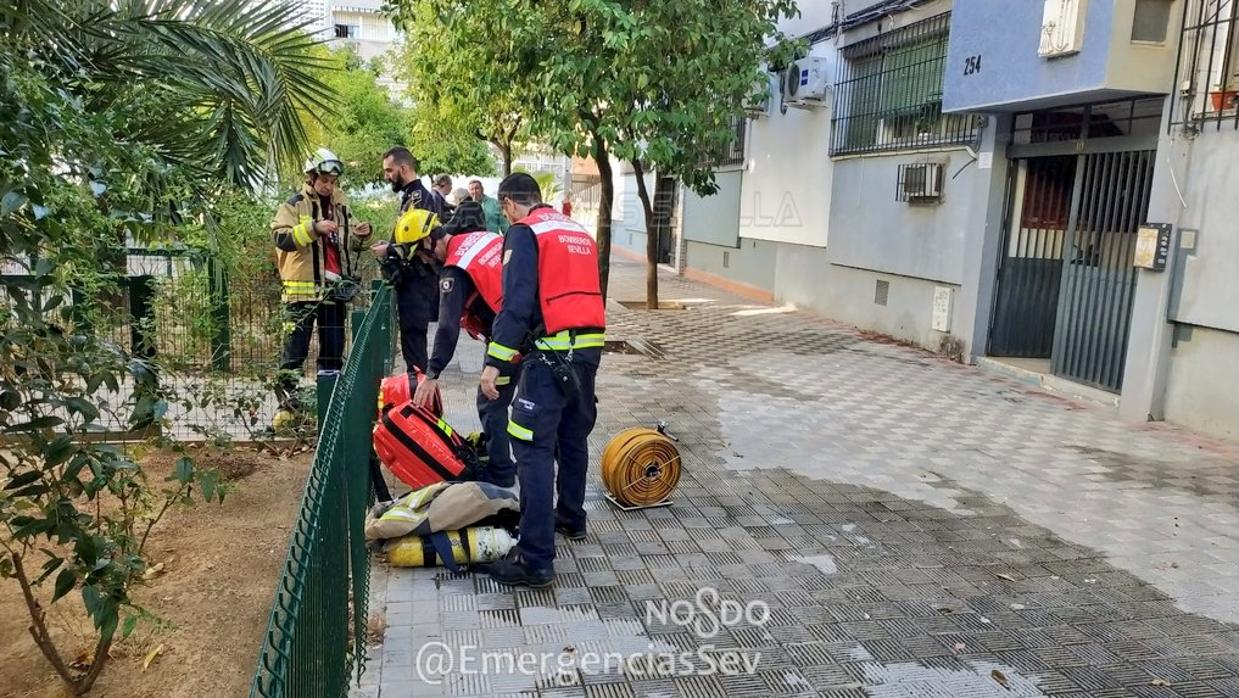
(627, 213)
(814, 14)
(785, 188)
(714, 219)
(785, 195)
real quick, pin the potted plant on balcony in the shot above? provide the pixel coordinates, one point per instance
(1222, 97)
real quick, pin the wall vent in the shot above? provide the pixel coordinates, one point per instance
(881, 292)
(726, 259)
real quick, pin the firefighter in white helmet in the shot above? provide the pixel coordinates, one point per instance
(316, 238)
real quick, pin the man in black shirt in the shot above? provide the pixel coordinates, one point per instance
(413, 273)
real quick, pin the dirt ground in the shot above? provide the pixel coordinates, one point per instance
(212, 597)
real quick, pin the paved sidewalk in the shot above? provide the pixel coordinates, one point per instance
(911, 527)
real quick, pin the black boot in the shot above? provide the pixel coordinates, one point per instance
(569, 531)
(513, 571)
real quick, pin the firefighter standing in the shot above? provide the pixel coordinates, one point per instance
(410, 267)
(470, 294)
(315, 236)
(553, 314)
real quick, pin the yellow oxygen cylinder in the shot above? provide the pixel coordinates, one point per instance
(470, 545)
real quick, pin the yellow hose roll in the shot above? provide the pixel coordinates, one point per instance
(640, 467)
(479, 544)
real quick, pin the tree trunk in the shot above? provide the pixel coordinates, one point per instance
(37, 629)
(651, 238)
(506, 151)
(603, 230)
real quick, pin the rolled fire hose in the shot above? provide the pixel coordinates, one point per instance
(640, 467)
(477, 544)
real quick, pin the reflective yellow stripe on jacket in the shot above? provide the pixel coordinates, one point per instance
(498, 351)
(301, 232)
(564, 341)
(301, 291)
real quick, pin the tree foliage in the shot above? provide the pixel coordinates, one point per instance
(369, 119)
(658, 84)
(459, 103)
(444, 142)
(118, 120)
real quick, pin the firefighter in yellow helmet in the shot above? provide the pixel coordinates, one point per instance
(316, 237)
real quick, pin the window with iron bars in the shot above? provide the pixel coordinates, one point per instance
(888, 94)
(1208, 69)
(733, 154)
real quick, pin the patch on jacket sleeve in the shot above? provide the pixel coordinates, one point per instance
(446, 284)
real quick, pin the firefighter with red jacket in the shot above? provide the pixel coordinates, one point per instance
(470, 294)
(553, 318)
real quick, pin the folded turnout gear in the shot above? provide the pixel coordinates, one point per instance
(435, 525)
(443, 506)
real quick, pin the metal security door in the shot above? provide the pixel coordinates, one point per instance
(1110, 200)
(1031, 266)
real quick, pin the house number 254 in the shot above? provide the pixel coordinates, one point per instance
(972, 64)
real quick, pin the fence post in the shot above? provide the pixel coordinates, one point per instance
(381, 493)
(221, 316)
(324, 385)
(142, 314)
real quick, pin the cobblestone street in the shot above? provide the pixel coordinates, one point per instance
(914, 526)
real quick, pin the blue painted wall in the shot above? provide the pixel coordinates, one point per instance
(1005, 34)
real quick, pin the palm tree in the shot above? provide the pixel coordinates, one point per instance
(115, 115)
(216, 88)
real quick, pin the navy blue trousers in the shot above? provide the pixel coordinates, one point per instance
(417, 304)
(494, 416)
(545, 427)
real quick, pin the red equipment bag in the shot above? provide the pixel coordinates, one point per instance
(421, 449)
(399, 389)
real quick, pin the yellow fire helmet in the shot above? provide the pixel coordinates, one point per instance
(415, 225)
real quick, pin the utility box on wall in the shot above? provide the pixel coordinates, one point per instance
(1152, 246)
(943, 297)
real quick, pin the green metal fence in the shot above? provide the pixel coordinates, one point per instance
(316, 638)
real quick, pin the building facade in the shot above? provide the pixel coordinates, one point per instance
(988, 178)
(356, 23)
(1185, 337)
(361, 24)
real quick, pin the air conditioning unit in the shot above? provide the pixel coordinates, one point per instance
(920, 182)
(760, 106)
(806, 83)
(1062, 28)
